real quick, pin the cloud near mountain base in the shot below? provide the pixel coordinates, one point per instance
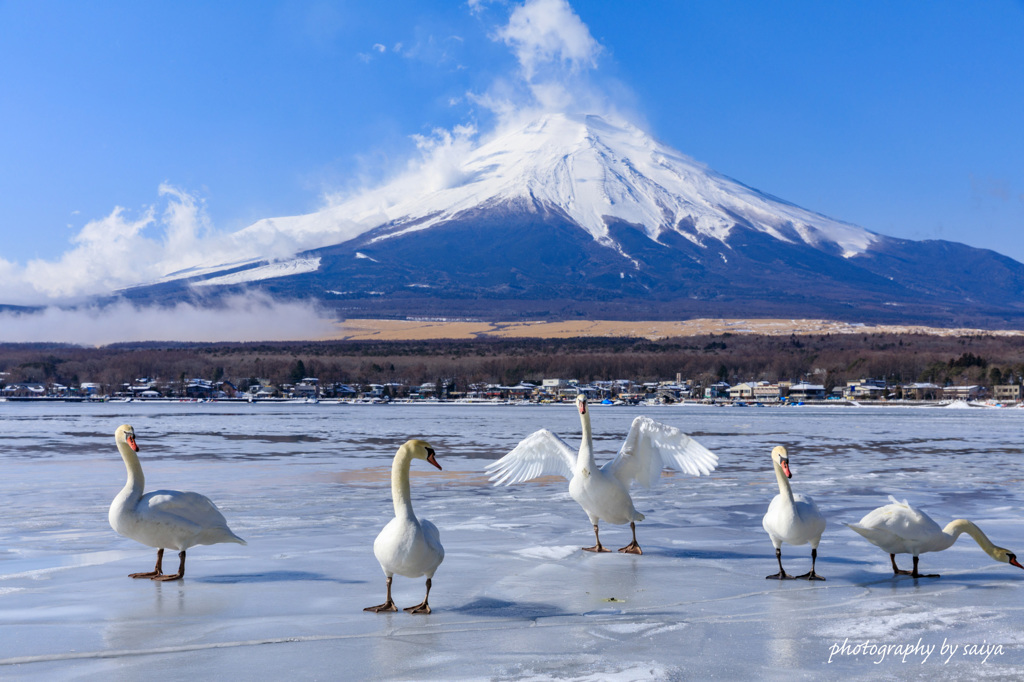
(254, 317)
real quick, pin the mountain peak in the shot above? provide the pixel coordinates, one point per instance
(595, 170)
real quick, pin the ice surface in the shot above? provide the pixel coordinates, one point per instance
(307, 487)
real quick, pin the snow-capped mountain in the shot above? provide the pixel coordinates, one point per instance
(589, 168)
(580, 215)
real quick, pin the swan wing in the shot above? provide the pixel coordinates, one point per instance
(900, 520)
(190, 513)
(651, 446)
(542, 453)
(191, 507)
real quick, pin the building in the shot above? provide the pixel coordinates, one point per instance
(716, 391)
(804, 391)
(1008, 393)
(744, 391)
(963, 392)
(865, 389)
(922, 391)
(766, 392)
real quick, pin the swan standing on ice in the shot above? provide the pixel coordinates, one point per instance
(604, 492)
(899, 528)
(407, 546)
(163, 518)
(793, 519)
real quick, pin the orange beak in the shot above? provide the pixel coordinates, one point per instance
(432, 459)
(1013, 560)
(130, 439)
(785, 468)
(583, 408)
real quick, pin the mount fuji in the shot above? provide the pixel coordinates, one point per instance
(584, 216)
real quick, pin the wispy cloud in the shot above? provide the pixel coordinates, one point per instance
(543, 33)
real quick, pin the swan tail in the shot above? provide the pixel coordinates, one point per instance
(861, 530)
(221, 535)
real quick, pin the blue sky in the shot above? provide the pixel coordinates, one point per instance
(904, 118)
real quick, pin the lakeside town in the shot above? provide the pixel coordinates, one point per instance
(622, 391)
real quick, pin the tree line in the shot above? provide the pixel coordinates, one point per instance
(830, 359)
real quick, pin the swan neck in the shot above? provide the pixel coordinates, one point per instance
(136, 479)
(955, 528)
(784, 488)
(401, 495)
(586, 454)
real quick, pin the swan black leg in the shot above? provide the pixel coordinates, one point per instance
(895, 570)
(915, 574)
(156, 571)
(812, 575)
(386, 606)
(177, 576)
(633, 547)
(598, 547)
(781, 575)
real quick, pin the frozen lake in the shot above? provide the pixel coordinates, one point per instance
(308, 487)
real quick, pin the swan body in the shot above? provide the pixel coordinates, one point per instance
(163, 518)
(603, 492)
(792, 518)
(899, 528)
(408, 546)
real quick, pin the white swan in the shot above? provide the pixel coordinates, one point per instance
(407, 546)
(899, 528)
(163, 518)
(604, 493)
(792, 518)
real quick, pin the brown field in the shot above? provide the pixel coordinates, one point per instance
(422, 330)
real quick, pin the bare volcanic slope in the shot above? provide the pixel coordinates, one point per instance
(572, 217)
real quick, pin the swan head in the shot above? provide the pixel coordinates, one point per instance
(421, 450)
(1006, 556)
(581, 403)
(781, 459)
(126, 434)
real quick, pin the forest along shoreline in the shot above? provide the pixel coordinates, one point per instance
(617, 368)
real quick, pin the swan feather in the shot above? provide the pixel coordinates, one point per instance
(542, 453)
(652, 446)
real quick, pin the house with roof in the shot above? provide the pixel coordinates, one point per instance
(964, 392)
(805, 391)
(921, 391)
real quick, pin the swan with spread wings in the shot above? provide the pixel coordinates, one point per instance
(604, 492)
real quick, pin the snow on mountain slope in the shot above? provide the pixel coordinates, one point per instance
(588, 167)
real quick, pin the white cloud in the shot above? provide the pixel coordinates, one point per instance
(248, 318)
(557, 61)
(121, 250)
(380, 48)
(543, 32)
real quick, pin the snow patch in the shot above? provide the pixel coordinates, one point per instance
(269, 271)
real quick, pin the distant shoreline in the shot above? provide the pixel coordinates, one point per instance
(432, 329)
(504, 403)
